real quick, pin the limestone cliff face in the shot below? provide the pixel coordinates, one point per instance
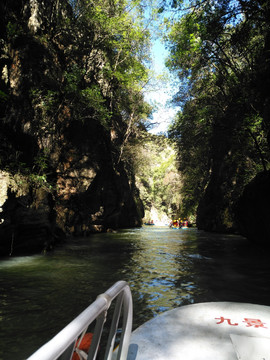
(252, 210)
(94, 193)
(60, 170)
(214, 211)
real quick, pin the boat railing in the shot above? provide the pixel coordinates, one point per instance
(63, 345)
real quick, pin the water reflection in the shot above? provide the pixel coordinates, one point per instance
(155, 271)
(165, 268)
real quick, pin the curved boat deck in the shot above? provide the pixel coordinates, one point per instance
(205, 331)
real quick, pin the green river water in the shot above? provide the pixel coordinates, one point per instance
(165, 268)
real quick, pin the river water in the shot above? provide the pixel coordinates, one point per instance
(165, 268)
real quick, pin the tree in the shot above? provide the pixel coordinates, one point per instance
(154, 161)
(215, 50)
(71, 98)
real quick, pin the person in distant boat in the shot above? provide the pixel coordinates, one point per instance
(185, 223)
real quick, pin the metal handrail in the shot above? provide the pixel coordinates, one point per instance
(62, 345)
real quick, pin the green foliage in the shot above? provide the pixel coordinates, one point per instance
(36, 176)
(39, 175)
(154, 162)
(93, 98)
(13, 30)
(45, 104)
(192, 132)
(89, 69)
(105, 79)
(73, 78)
(215, 49)
(3, 96)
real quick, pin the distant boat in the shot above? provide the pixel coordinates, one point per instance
(179, 224)
(149, 223)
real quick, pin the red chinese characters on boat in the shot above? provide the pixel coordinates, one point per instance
(250, 322)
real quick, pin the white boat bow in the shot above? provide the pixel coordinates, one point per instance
(205, 331)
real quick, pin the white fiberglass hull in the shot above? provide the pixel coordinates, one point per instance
(205, 331)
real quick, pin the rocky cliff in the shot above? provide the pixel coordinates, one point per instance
(252, 210)
(61, 170)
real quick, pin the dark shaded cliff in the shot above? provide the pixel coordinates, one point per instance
(252, 210)
(223, 128)
(61, 131)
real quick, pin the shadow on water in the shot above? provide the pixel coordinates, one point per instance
(165, 268)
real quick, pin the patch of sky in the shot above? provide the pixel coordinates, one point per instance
(162, 87)
(162, 90)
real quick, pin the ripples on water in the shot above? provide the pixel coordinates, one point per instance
(165, 268)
